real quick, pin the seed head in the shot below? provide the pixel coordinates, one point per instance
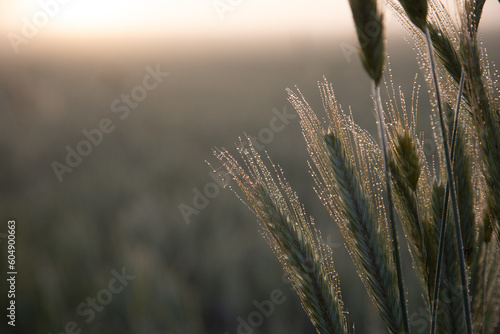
(369, 28)
(406, 155)
(416, 11)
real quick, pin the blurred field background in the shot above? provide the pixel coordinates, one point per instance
(120, 207)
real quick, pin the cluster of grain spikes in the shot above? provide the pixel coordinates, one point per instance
(462, 64)
(450, 214)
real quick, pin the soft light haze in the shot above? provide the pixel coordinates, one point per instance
(93, 16)
(195, 16)
(94, 25)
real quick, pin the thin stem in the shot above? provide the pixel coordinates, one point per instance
(484, 285)
(392, 226)
(437, 280)
(451, 183)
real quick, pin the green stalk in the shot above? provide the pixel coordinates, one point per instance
(451, 183)
(392, 225)
(437, 280)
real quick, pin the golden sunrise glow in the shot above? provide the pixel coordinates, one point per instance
(97, 17)
(202, 16)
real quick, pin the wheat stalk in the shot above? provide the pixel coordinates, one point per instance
(444, 215)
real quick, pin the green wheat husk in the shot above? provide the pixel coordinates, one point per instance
(293, 237)
(406, 159)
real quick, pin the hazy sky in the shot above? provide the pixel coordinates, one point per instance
(180, 15)
(188, 16)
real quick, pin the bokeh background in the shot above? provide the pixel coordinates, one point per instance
(198, 263)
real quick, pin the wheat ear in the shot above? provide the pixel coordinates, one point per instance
(293, 237)
(344, 162)
(366, 242)
(372, 57)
